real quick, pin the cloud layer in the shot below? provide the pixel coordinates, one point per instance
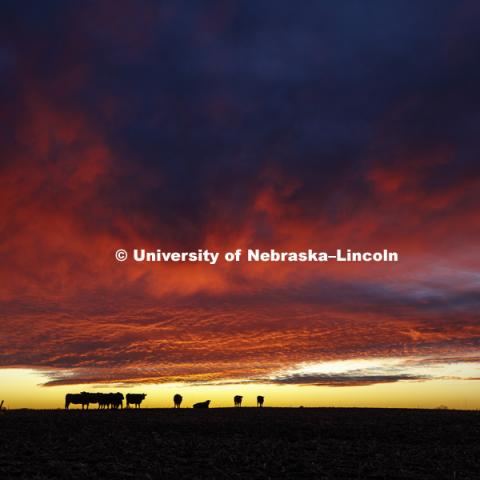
(228, 126)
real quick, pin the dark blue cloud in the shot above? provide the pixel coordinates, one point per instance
(209, 92)
(354, 119)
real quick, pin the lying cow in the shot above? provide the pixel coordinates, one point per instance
(135, 399)
(237, 400)
(202, 404)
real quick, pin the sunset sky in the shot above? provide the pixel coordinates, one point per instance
(223, 124)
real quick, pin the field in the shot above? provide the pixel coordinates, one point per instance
(240, 443)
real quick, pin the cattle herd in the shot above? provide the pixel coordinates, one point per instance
(104, 400)
(114, 401)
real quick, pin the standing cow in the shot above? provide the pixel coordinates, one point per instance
(260, 400)
(103, 400)
(115, 400)
(77, 399)
(177, 400)
(202, 404)
(237, 400)
(135, 399)
(110, 400)
(91, 397)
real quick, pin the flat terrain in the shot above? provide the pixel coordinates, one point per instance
(240, 443)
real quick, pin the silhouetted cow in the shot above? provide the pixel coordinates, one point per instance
(260, 400)
(99, 399)
(202, 404)
(115, 400)
(82, 399)
(237, 400)
(135, 399)
(103, 400)
(109, 400)
(91, 397)
(177, 400)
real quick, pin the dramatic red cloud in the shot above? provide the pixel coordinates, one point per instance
(102, 151)
(56, 262)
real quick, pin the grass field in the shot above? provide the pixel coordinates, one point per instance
(242, 443)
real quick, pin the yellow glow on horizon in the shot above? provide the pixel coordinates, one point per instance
(22, 388)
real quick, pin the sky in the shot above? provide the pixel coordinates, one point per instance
(227, 125)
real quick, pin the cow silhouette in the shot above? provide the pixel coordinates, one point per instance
(177, 400)
(108, 400)
(202, 404)
(103, 400)
(115, 400)
(260, 400)
(82, 399)
(91, 397)
(237, 400)
(135, 399)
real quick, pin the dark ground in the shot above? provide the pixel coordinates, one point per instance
(240, 443)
